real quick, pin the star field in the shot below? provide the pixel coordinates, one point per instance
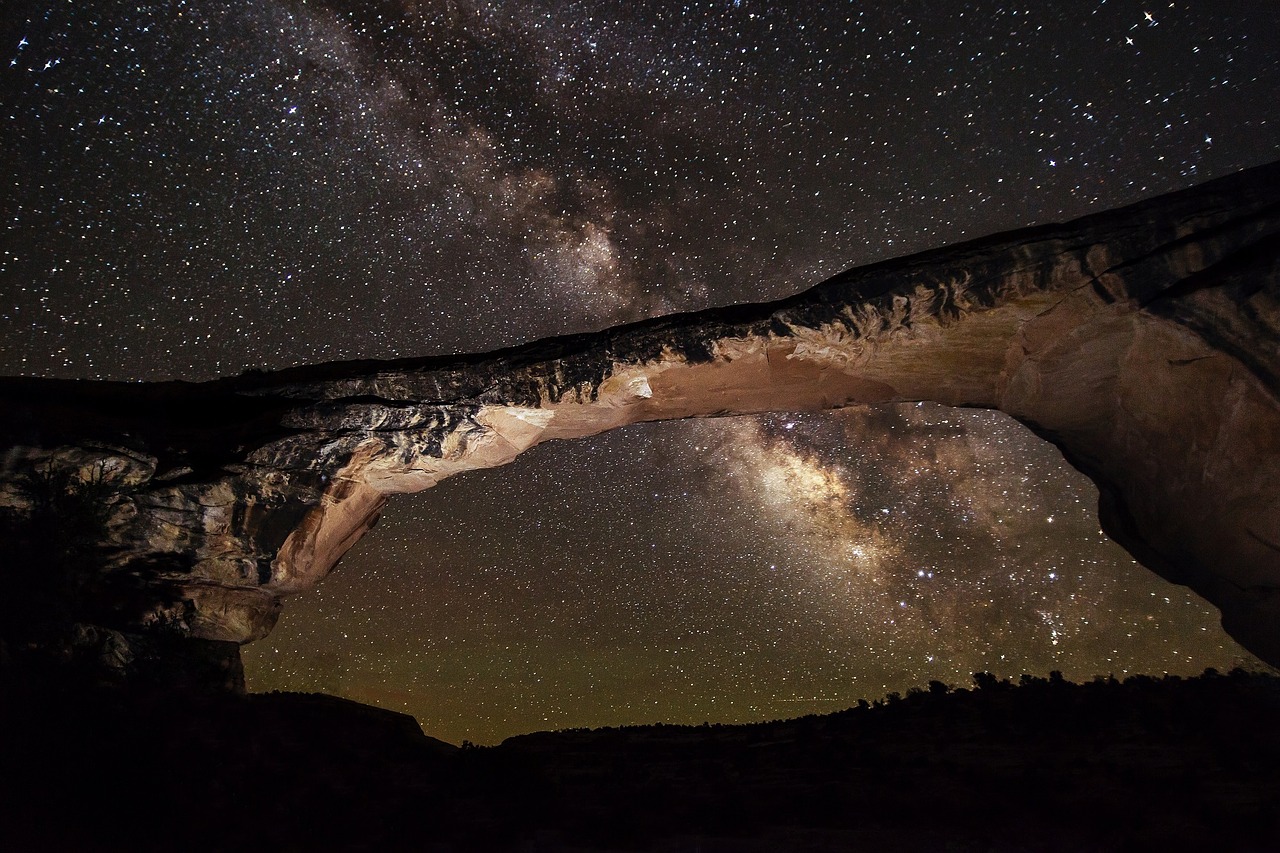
(193, 189)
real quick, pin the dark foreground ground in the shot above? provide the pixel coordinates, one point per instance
(1145, 765)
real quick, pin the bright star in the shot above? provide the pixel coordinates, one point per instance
(1150, 18)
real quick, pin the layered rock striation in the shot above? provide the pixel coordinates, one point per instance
(1144, 342)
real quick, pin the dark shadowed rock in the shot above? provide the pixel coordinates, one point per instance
(1143, 342)
(1147, 764)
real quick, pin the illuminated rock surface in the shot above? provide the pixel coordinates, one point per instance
(1143, 342)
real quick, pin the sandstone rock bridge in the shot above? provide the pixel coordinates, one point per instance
(1144, 342)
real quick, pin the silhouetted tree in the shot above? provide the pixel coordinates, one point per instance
(51, 548)
(985, 681)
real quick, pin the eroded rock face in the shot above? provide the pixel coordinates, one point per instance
(1143, 342)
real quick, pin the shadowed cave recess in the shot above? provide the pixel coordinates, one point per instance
(157, 527)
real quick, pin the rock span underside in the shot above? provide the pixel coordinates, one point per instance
(148, 520)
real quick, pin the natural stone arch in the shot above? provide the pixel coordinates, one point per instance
(1141, 342)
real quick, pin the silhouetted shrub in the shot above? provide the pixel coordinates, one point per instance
(985, 681)
(52, 549)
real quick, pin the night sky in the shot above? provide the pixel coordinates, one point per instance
(193, 189)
